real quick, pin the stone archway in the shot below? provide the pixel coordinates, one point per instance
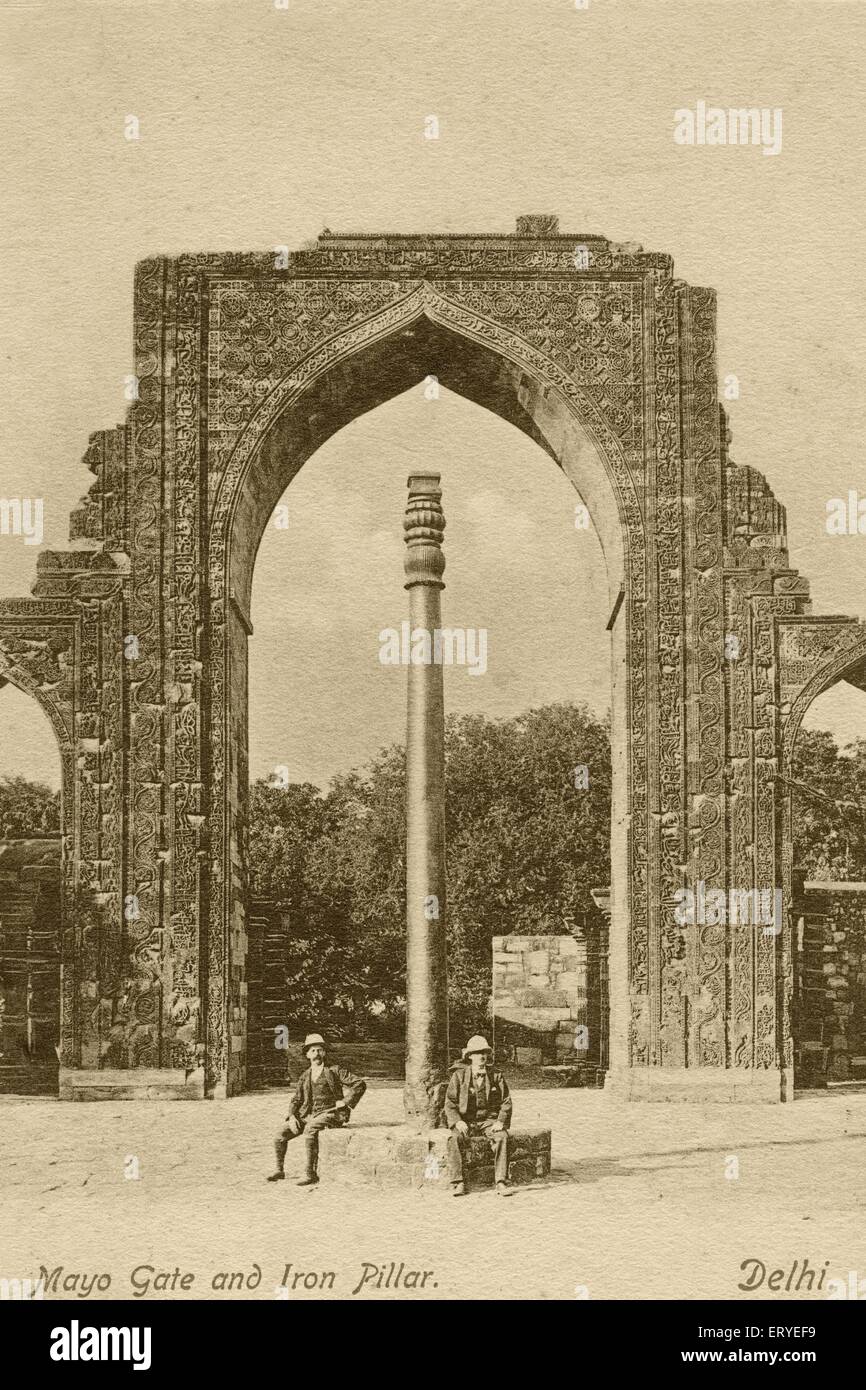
(816, 654)
(33, 660)
(34, 869)
(393, 352)
(244, 363)
(64, 647)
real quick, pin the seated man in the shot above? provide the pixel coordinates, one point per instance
(477, 1102)
(323, 1098)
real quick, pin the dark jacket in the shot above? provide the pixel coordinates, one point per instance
(337, 1078)
(457, 1095)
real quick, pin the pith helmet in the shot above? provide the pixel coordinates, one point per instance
(313, 1040)
(476, 1044)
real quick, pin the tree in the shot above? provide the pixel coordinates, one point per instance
(287, 828)
(829, 807)
(527, 830)
(27, 809)
(527, 833)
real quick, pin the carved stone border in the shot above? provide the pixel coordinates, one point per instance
(422, 299)
(48, 674)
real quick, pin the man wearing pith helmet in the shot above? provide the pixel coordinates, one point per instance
(323, 1099)
(477, 1102)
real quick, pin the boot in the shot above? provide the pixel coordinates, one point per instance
(309, 1181)
(278, 1176)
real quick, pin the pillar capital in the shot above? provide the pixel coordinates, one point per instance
(424, 528)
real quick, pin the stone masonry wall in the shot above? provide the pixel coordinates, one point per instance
(30, 874)
(547, 1000)
(830, 1019)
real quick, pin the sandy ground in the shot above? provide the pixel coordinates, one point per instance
(638, 1204)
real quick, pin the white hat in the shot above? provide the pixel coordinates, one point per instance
(313, 1040)
(476, 1044)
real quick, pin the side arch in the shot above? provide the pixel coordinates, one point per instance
(14, 672)
(847, 647)
(849, 660)
(50, 706)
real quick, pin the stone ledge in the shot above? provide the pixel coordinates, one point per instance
(391, 1156)
(700, 1084)
(155, 1083)
(575, 1074)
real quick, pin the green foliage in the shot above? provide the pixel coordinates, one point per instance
(27, 809)
(524, 847)
(830, 807)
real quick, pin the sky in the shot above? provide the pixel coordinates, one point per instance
(260, 126)
(516, 566)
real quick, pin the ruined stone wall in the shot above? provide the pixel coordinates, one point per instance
(135, 639)
(549, 999)
(829, 1022)
(30, 884)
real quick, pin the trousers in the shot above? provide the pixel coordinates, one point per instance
(310, 1129)
(498, 1141)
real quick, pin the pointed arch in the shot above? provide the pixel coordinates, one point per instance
(422, 334)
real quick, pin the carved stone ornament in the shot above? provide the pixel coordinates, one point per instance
(135, 640)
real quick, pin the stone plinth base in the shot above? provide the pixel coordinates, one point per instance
(577, 1075)
(391, 1156)
(743, 1085)
(158, 1083)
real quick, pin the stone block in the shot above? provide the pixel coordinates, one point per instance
(514, 976)
(539, 998)
(528, 1056)
(538, 962)
(529, 1139)
(398, 1157)
(397, 1174)
(528, 1170)
(339, 1140)
(539, 982)
(572, 981)
(839, 1067)
(409, 1147)
(538, 1020)
(144, 1083)
(372, 1144)
(584, 1074)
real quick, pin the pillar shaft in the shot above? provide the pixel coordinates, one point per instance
(426, 970)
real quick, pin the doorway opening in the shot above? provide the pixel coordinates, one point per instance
(828, 1013)
(528, 756)
(30, 898)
